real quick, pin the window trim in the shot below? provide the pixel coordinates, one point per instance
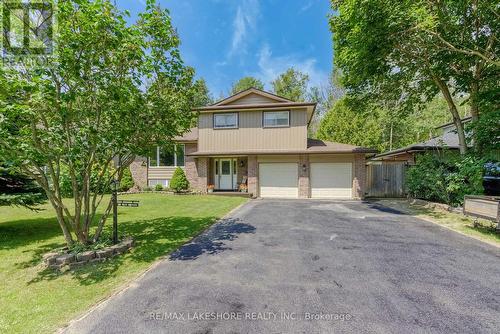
(226, 113)
(175, 157)
(275, 126)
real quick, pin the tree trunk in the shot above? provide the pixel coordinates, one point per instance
(102, 221)
(462, 142)
(474, 100)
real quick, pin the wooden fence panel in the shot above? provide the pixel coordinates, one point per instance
(386, 180)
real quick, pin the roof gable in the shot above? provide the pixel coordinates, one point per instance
(251, 96)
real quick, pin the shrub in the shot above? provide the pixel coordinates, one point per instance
(158, 187)
(66, 185)
(127, 181)
(148, 188)
(445, 179)
(179, 181)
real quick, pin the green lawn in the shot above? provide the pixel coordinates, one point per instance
(36, 300)
(485, 231)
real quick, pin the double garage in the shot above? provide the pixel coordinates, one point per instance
(327, 179)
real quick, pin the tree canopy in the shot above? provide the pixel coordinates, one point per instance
(245, 83)
(292, 84)
(110, 90)
(409, 51)
(357, 121)
(17, 189)
(202, 96)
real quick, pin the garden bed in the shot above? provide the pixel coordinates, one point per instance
(59, 260)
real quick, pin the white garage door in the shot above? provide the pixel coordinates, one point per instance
(278, 180)
(331, 180)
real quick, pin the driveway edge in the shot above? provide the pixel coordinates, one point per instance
(494, 244)
(102, 302)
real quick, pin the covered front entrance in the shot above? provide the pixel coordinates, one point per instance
(225, 173)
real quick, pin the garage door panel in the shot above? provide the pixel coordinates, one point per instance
(278, 180)
(331, 180)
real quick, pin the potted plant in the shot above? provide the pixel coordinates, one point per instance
(243, 188)
(210, 188)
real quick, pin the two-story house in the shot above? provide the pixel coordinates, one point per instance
(260, 139)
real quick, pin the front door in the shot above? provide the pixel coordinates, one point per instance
(225, 170)
(225, 174)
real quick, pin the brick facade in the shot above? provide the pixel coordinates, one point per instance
(304, 168)
(359, 177)
(242, 169)
(190, 166)
(253, 176)
(139, 171)
(202, 169)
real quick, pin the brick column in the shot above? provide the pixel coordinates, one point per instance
(359, 179)
(139, 171)
(202, 168)
(190, 166)
(253, 176)
(242, 171)
(304, 176)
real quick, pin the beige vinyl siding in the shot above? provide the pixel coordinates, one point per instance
(161, 172)
(252, 99)
(250, 134)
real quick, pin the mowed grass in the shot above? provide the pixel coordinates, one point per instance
(485, 231)
(37, 300)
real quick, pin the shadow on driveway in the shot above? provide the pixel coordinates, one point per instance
(373, 205)
(212, 241)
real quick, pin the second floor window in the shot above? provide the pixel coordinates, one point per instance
(274, 119)
(160, 157)
(226, 121)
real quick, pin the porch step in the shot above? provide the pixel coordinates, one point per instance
(230, 193)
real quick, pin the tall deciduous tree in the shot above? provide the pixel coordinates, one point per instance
(358, 121)
(245, 83)
(292, 84)
(111, 90)
(398, 49)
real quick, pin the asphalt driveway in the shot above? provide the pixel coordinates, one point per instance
(313, 267)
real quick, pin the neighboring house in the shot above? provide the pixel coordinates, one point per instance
(259, 139)
(448, 140)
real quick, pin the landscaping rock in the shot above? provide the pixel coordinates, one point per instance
(119, 248)
(129, 242)
(74, 265)
(50, 258)
(56, 266)
(85, 256)
(65, 259)
(104, 253)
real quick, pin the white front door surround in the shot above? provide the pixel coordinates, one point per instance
(225, 170)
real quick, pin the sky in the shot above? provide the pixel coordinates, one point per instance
(225, 40)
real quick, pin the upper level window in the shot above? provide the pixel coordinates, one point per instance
(226, 121)
(160, 157)
(274, 119)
